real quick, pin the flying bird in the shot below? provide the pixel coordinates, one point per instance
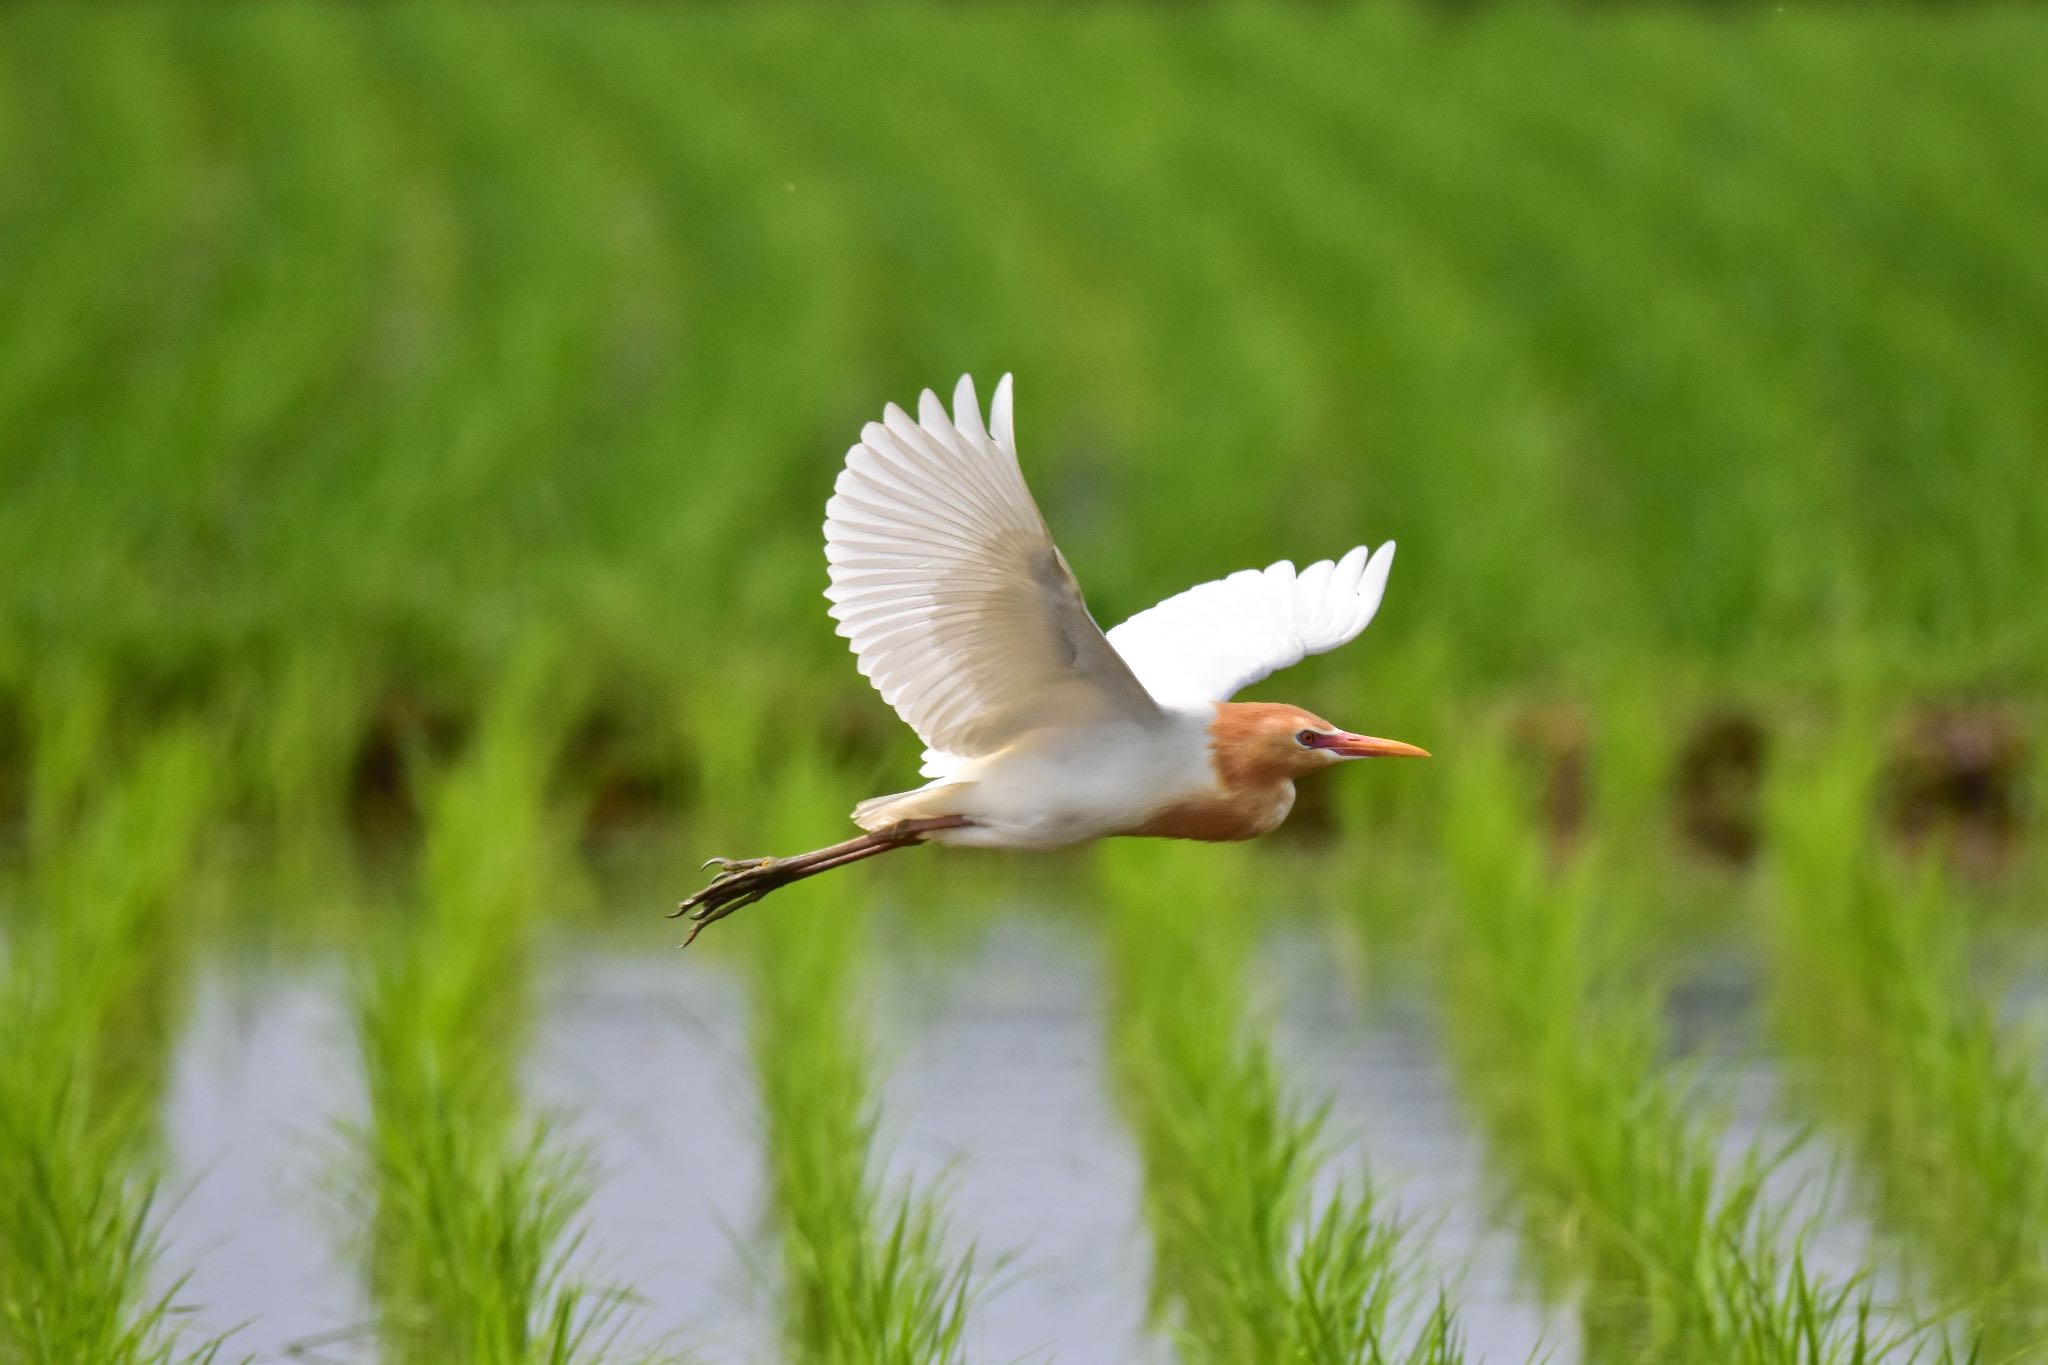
(1041, 729)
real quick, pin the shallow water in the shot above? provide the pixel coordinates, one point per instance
(995, 1090)
(1396, 1117)
(998, 1092)
(264, 1074)
(646, 1057)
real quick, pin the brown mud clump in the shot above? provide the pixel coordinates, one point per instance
(1551, 743)
(402, 730)
(1718, 787)
(1956, 781)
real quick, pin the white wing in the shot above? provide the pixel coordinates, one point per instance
(1217, 638)
(960, 609)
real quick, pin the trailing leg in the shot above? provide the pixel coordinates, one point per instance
(742, 881)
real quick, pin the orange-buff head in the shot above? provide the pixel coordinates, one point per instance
(1256, 742)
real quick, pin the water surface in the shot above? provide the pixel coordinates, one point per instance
(995, 1091)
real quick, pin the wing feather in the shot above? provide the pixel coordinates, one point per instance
(947, 584)
(1217, 638)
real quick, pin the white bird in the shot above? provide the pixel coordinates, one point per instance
(1042, 730)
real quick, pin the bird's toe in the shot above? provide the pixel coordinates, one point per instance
(740, 882)
(731, 866)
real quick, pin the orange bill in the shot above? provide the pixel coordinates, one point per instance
(1365, 746)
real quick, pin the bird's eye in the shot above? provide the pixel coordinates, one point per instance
(1305, 738)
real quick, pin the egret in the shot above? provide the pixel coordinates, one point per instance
(1042, 730)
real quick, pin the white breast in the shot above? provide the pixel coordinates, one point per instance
(1060, 787)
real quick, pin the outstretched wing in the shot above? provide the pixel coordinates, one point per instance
(959, 608)
(1217, 638)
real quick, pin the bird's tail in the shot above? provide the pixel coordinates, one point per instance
(920, 803)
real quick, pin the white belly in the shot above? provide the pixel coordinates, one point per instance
(1066, 787)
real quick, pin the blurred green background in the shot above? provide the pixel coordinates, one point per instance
(346, 347)
(415, 427)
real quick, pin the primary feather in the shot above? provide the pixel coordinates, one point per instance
(964, 615)
(1217, 638)
(945, 580)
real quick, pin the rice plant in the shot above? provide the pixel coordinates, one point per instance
(1250, 1262)
(1619, 1181)
(1878, 990)
(343, 348)
(525, 272)
(90, 1001)
(471, 1202)
(868, 1274)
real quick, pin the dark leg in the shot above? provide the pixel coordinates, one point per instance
(742, 881)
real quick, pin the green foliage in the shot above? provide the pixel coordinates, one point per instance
(1247, 1263)
(867, 1277)
(94, 979)
(472, 1204)
(348, 349)
(376, 336)
(1624, 1196)
(1937, 1095)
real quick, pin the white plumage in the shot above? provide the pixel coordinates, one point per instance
(959, 608)
(1040, 729)
(964, 615)
(1216, 639)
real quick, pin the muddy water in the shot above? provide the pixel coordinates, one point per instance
(995, 1090)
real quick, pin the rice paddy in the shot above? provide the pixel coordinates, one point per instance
(414, 427)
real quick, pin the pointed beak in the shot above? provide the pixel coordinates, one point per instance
(1365, 746)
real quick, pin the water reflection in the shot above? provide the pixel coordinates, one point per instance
(996, 1089)
(1393, 1114)
(646, 1056)
(264, 1071)
(1000, 1092)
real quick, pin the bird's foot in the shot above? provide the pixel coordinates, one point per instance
(740, 882)
(727, 866)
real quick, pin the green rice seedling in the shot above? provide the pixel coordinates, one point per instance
(609, 287)
(345, 344)
(298, 732)
(93, 984)
(867, 1275)
(1248, 1263)
(473, 1203)
(1875, 988)
(1619, 1186)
